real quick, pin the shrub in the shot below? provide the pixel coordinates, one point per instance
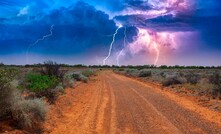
(192, 78)
(37, 82)
(121, 69)
(171, 80)
(5, 96)
(71, 77)
(51, 94)
(1, 64)
(163, 74)
(132, 72)
(28, 114)
(88, 73)
(51, 68)
(68, 81)
(44, 86)
(145, 73)
(6, 76)
(79, 77)
(84, 79)
(215, 79)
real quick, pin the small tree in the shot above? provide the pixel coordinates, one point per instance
(1, 64)
(52, 69)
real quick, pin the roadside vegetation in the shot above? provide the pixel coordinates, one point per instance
(26, 93)
(27, 113)
(203, 81)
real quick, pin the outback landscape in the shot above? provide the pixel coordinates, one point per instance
(54, 98)
(110, 67)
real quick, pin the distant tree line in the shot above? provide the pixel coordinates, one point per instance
(139, 67)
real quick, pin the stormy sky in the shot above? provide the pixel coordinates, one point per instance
(119, 32)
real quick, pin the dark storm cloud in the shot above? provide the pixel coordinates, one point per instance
(205, 18)
(81, 26)
(208, 26)
(161, 23)
(138, 4)
(171, 23)
(76, 29)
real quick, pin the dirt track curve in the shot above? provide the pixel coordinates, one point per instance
(116, 104)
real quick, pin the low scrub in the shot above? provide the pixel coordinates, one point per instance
(68, 81)
(192, 78)
(27, 113)
(51, 94)
(145, 73)
(132, 72)
(88, 73)
(172, 80)
(79, 77)
(121, 69)
(6, 76)
(215, 79)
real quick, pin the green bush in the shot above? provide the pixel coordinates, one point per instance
(37, 82)
(145, 73)
(44, 86)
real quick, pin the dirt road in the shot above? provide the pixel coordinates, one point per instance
(116, 104)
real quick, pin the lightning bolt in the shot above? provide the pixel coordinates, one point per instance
(157, 53)
(155, 42)
(37, 41)
(121, 52)
(111, 45)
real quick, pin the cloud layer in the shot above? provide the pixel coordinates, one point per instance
(84, 29)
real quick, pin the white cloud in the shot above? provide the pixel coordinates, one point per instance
(23, 11)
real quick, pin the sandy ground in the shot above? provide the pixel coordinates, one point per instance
(111, 103)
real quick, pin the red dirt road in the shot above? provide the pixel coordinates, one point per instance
(116, 104)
